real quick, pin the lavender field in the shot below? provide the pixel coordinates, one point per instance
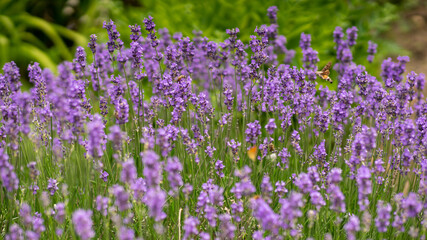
(179, 138)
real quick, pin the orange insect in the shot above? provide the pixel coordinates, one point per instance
(252, 152)
(256, 197)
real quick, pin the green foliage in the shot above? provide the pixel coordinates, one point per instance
(26, 37)
(34, 30)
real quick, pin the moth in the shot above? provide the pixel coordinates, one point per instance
(324, 74)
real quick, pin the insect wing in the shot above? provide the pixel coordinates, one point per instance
(327, 67)
(252, 152)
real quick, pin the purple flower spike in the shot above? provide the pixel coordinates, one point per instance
(352, 227)
(382, 221)
(253, 130)
(155, 200)
(52, 186)
(82, 220)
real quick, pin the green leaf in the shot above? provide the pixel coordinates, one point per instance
(37, 55)
(49, 30)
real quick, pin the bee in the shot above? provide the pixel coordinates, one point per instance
(252, 152)
(256, 197)
(271, 147)
(178, 79)
(324, 74)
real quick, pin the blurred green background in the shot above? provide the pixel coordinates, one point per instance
(49, 31)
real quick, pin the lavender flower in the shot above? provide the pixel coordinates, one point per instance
(92, 43)
(382, 221)
(271, 126)
(352, 226)
(268, 219)
(187, 189)
(15, 233)
(336, 198)
(152, 168)
(334, 176)
(372, 49)
(174, 168)
(190, 227)
(229, 98)
(38, 224)
(149, 26)
(126, 233)
(104, 175)
(295, 138)
(139, 189)
(136, 32)
(59, 212)
(266, 187)
(291, 208)
(280, 188)
(234, 146)
(102, 204)
(304, 183)
(284, 157)
(25, 214)
(411, 205)
(317, 199)
(128, 174)
(34, 188)
(113, 36)
(211, 215)
(225, 119)
(351, 35)
(209, 151)
(8, 177)
(116, 136)
(364, 184)
(245, 186)
(219, 166)
(122, 198)
(82, 220)
(236, 210)
(122, 110)
(52, 186)
(226, 227)
(95, 137)
(253, 130)
(33, 170)
(155, 200)
(81, 57)
(272, 14)
(305, 41)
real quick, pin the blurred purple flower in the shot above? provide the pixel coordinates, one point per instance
(152, 168)
(155, 200)
(52, 186)
(382, 221)
(82, 220)
(352, 227)
(190, 227)
(252, 131)
(128, 174)
(174, 168)
(102, 204)
(122, 198)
